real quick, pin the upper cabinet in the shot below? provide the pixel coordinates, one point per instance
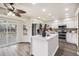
(71, 23)
(54, 25)
(76, 24)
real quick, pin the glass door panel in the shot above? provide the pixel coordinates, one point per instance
(8, 33)
(12, 33)
(2, 34)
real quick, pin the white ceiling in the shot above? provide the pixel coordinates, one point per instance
(57, 10)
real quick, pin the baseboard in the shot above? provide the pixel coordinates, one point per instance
(6, 45)
(32, 55)
(25, 42)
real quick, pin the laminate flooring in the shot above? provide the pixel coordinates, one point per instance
(66, 49)
(20, 49)
(24, 49)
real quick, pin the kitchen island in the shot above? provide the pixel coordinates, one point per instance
(45, 46)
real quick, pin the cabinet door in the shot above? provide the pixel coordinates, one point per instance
(76, 23)
(54, 25)
(72, 38)
(75, 38)
(69, 38)
(70, 24)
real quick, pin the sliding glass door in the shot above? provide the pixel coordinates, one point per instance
(11, 33)
(3, 34)
(8, 33)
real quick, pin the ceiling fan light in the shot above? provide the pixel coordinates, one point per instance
(11, 3)
(10, 14)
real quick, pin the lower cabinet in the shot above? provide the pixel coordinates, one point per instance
(72, 38)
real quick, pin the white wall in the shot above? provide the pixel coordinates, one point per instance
(20, 31)
(36, 21)
(27, 38)
(28, 23)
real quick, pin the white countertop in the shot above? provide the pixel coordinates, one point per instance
(45, 38)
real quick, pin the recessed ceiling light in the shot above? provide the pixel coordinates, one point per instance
(53, 16)
(38, 17)
(67, 19)
(43, 10)
(66, 14)
(10, 14)
(33, 3)
(49, 14)
(66, 9)
(44, 19)
(55, 20)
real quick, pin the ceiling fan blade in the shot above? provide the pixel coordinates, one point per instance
(11, 3)
(20, 11)
(10, 9)
(17, 14)
(5, 5)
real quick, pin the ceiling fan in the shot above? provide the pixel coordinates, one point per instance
(10, 7)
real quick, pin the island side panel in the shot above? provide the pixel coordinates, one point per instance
(39, 47)
(53, 46)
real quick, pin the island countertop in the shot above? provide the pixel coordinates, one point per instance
(44, 46)
(45, 38)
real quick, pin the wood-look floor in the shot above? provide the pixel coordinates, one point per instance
(20, 49)
(66, 49)
(24, 49)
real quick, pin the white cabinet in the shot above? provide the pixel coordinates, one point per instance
(70, 24)
(44, 46)
(75, 38)
(55, 25)
(76, 23)
(72, 38)
(73, 23)
(69, 38)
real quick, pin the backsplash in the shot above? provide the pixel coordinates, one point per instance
(70, 30)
